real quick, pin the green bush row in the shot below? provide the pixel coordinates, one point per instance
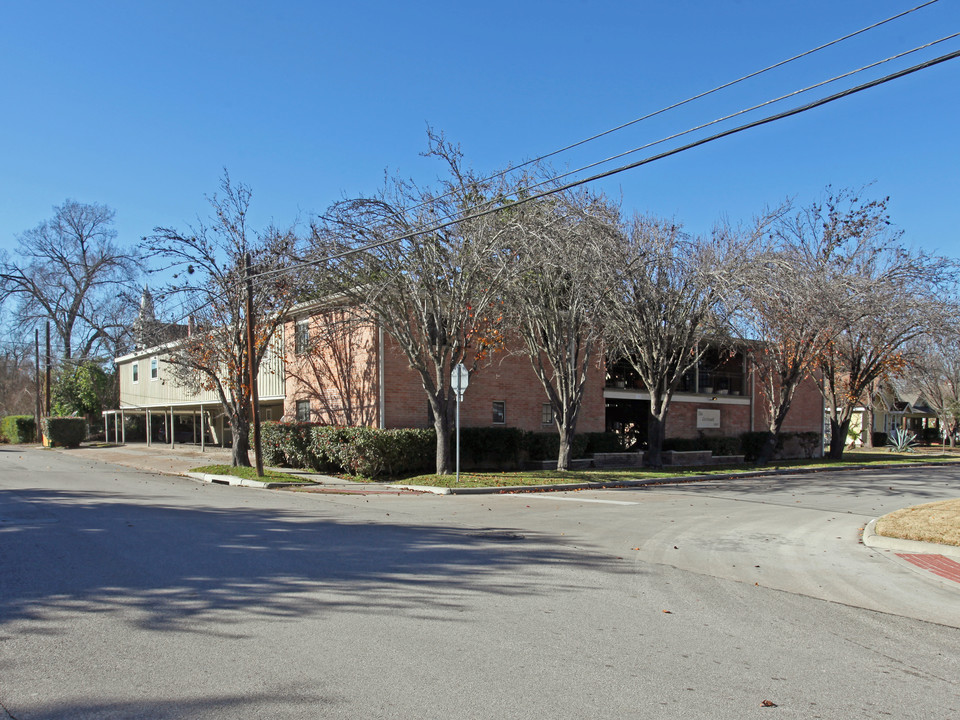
(747, 444)
(19, 428)
(373, 451)
(65, 431)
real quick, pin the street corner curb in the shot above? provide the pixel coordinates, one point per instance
(238, 482)
(881, 542)
(424, 489)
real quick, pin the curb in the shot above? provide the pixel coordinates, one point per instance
(871, 539)
(241, 482)
(667, 480)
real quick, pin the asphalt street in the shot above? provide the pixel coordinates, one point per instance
(131, 594)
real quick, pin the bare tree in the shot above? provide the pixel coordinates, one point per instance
(889, 300)
(818, 306)
(675, 292)
(561, 274)
(210, 279)
(428, 286)
(934, 370)
(70, 270)
(18, 386)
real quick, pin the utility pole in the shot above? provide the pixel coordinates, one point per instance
(251, 355)
(46, 412)
(36, 377)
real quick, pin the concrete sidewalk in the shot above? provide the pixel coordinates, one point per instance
(181, 459)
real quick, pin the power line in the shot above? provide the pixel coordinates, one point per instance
(645, 161)
(698, 96)
(744, 111)
(450, 220)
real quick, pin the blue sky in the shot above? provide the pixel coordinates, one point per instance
(141, 105)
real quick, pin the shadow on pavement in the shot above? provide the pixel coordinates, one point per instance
(168, 568)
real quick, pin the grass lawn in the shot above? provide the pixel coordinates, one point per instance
(249, 473)
(552, 477)
(937, 522)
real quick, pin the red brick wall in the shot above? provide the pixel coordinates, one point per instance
(307, 378)
(510, 379)
(682, 419)
(505, 377)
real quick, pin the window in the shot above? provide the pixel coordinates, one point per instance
(135, 372)
(546, 414)
(266, 413)
(303, 411)
(154, 367)
(499, 412)
(301, 337)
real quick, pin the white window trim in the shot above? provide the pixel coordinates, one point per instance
(154, 375)
(135, 373)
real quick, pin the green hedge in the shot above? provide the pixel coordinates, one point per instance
(373, 451)
(752, 442)
(602, 442)
(65, 431)
(19, 428)
(719, 446)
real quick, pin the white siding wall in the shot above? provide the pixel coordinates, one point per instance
(164, 392)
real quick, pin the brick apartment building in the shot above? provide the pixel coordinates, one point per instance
(325, 368)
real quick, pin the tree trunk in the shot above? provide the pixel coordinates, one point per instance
(240, 452)
(566, 447)
(444, 427)
(767, 450)
(867, 426)
(656, 429)
(838, 438)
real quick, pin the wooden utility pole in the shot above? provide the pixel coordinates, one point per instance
(47, 407)
(36, 376)
(251, 356)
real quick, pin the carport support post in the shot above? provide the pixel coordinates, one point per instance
(171, 428)
(123, 428)
(203, 435)
(148, 427)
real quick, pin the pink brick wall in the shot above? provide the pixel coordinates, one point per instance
(510, 379)
(504, 378)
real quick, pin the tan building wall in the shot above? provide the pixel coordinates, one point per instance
(141, 386)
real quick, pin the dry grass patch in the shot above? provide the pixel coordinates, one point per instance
(937, 522)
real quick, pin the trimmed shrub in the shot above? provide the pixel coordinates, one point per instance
(721, 446)
(373, 451)
(291, 445)
(19, 428)
(546, 446)
(879, 439)
(65, 431)
(602, 442)
(930, 436)
(752, 442)
(490, 448)
(271, 437)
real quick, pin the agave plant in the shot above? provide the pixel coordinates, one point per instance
(901, 440)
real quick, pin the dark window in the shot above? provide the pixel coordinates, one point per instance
(136, 372)
(301, 337)
(546, 414)
(303, 411)
(154, 368)
(499, 412)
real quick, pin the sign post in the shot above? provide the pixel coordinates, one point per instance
(459, 379)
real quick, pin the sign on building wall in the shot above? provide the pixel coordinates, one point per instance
(708, 418)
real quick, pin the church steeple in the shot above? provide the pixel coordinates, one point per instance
(146, 324)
